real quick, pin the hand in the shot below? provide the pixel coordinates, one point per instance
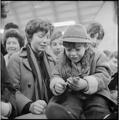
(38, 107)
(114, 65)
(76, 83)
(5, 108)
(114, 94)
(60, 86)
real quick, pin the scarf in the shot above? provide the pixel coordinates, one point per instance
(41, 83)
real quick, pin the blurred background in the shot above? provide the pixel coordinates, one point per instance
(64, 13)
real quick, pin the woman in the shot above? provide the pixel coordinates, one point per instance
(13, 42)
(31, 68)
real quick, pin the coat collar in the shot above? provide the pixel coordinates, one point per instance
(23, 54)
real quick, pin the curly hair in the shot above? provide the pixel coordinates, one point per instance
(11, 25)
(95, 28)
(14, 33)
(56, 35)
(36, 25)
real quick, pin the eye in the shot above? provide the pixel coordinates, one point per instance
(48, 36)
(7, 43)
(54, 44)
(61, 43)
(92, 35)
(68, 49)
(41, 35)
(78, 49)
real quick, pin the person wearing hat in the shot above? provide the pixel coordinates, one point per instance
(31, 68)
(80, 81)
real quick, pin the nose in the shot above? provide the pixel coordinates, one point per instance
(58, 47)
(11, 45)
(73, 53)
(46, 41)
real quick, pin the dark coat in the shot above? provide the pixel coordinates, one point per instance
(7, 90)
(22, 77)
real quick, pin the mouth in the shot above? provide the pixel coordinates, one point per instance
(75, 59)
(12, 49)
(43, 46)
(58, 51)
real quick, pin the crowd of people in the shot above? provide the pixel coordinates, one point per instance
(61, 75)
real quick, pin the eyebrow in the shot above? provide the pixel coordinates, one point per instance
(78, 45)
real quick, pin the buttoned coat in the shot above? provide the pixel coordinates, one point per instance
(22, 77)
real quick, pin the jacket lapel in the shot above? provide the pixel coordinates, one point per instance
(26, 64)
(23, 55)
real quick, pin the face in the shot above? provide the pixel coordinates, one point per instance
(95, 41)
(40, 41)
(76, 53)
(57, 46)
(12, 45)
(114, 64)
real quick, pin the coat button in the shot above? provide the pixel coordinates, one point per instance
(29, 85)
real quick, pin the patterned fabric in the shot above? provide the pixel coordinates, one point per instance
(41, 78)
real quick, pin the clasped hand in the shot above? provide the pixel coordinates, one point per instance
(76, 83)
(60, 86)
(38, 107)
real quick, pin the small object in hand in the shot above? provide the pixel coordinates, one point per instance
(64, 85)
(76, 79)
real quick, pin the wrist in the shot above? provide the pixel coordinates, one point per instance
(30, 107)
(10, 110)
(86, 86)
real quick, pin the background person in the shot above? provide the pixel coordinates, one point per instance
(13, 42)
(96, 32)
(56, 45)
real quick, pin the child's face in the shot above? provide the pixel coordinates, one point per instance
(76, 53)
(57, 46)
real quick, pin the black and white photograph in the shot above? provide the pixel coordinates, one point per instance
(59, 59)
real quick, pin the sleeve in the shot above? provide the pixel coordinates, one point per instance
(55, 77)
(7, 90)
(14, 71)
(101, 77)
(26, 108)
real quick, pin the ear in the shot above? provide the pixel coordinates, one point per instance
(86, 45)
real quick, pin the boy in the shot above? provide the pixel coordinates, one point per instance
(80, 81)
